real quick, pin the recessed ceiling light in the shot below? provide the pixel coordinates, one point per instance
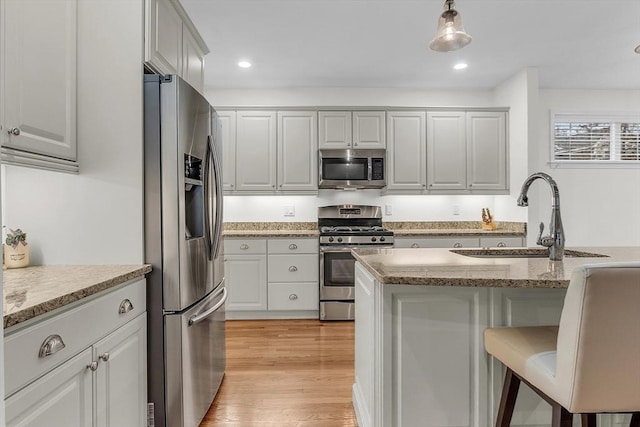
(244, 64)
(460, 66)
(637, 49)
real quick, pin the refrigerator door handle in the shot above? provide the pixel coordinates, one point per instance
(207, 201)
(199, 317)
(217, 229)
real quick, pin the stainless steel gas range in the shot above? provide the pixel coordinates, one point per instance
(343, 228)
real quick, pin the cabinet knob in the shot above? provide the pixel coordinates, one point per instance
(125, 306)
(14, 131)
(52, 344)
(355, 144)
(93, 366)
(415, 245)
(293, 297)
(293, 246)
(293, 268)
(244, 246)
(502, 245)
(231, 185)
(104, 357)
(457, 245)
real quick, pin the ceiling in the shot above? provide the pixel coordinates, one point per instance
(575, 44)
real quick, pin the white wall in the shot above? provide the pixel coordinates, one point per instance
(95, 217)
(520, 92)
(600, 207)
(405, 207)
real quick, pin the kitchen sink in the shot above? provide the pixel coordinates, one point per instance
(522, 253)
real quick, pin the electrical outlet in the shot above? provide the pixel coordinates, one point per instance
(289, 210)
(388, 210)
(455, 209)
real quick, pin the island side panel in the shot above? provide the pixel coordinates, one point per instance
(435, 369)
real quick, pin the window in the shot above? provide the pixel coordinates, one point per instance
(599, 139)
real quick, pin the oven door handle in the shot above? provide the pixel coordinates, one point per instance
(335, 249)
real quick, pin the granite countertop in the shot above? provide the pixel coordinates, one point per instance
(270, 229)
(32, 291)
(402, 228)
(441, 267)
(454, 228)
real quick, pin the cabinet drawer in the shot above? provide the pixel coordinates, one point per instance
(245, 246)
(293, 268)
(293, 246)
(78, 328)
(438, 242)
(501, 242)
(293, 296)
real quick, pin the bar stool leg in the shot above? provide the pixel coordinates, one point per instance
(635, 420)
(508, 399)
(560, 417)
(589, 420)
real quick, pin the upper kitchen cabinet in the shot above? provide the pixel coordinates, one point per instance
(269, 151)
(466, 150)
(406, 155)
(297, 150)
(487, 150)
(346, 129)
(227, 137)
(255, 150)
(173, 44)
(38, 105)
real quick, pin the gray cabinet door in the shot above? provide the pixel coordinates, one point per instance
(297, 150)
(486, 150)
(406, 146)
(446, 151)
(255, 150)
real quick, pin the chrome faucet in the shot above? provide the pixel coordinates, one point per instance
(555, 240)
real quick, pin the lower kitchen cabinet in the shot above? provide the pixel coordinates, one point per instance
(271, 278)
(95, 374)
(61, 398)
(459, 242)
(245, 269)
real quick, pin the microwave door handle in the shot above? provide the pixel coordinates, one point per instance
(207, 203)
(199, 317)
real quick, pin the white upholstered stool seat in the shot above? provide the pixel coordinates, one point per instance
(588, 364)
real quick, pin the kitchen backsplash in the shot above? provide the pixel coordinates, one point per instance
(394, 208)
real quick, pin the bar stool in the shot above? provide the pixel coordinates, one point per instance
(588, 364)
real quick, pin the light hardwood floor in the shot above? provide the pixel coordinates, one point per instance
(286, 373)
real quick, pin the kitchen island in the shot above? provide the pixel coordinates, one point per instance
(420, 316)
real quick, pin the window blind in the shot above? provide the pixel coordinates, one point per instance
(595, 138)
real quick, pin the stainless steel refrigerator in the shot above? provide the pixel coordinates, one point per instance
(183, 242)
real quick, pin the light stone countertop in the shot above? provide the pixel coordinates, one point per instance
(32, 291)
(441, 267)
(401, 228)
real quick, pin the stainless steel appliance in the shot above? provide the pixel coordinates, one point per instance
(352, 169)
(343, 228)
(183, 242)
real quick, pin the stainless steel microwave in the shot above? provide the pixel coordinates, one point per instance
(352, 169)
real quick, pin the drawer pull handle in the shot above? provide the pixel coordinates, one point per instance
(293, 297)
(293, 268)
(457, 245)
(52, 344)
(244, 246)
(93, 366)
(125, 307)
(415, 245)
(104, 357)
(502, 245)
(293, 246)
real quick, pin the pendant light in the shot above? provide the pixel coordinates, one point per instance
(450, 34)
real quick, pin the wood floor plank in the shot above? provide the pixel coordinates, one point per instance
(286, 373)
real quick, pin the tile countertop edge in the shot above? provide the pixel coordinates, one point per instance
(59, 301)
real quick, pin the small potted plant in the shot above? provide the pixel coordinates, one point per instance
(16, 249)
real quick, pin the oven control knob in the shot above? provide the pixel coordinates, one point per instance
(330, 239)
(373, 239)
(382, 239)
(339, 239)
